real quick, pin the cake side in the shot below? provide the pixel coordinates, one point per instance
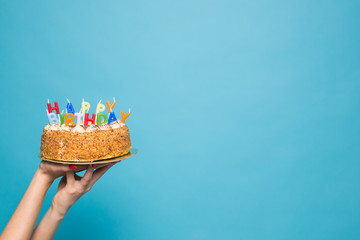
(85, 144)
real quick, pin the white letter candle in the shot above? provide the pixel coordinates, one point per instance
(53, 119)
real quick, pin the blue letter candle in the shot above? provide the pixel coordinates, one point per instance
(112, 118)
(70, 108)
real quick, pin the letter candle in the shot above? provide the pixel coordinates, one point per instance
(110, 107)
(69, 119)
(62, 120)
(56, 107)
(98, 116)
(87, 119)
(69, 107)
(112, 117)
(85, 106)
(53, 119)
(100, 107)
(79, 115)
(124, 116)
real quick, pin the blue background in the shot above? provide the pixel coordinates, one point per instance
(246, 114)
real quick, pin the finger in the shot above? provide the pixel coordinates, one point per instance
(70, 178)
(88, 175)
(98, 173)
(62, 183)
(96, 166)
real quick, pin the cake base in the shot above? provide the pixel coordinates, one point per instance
(131, 153)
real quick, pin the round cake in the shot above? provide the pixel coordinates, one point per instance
(85, 143)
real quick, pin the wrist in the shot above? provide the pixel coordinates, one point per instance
(56, 213)
(43, 177)
(60, 204)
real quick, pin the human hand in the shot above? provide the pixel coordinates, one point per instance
(72, 187)
(54, 170)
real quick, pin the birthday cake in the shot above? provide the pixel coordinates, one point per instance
(88, 139)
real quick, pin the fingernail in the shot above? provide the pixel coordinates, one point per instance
(72, 166)
(93, 165)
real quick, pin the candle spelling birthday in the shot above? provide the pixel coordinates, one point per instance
(83, 117)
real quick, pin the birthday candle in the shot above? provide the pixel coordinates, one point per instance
(124, 116)
(85, 106)
(69, 107)
(59, 116)
(100, 107)
(53, 119)
(69, 119)
(98, 117)
(79, 115)
(87, 119)
(112, 117)
(56, 107)
(62, 120)
(110, 106)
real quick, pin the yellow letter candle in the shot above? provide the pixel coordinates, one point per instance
(100, 108)
(84, 106)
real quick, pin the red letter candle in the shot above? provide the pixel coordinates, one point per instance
(87, 119)
(56, 108)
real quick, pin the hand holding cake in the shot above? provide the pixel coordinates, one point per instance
(70, 189)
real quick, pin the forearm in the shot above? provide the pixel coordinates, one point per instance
(23, 220)
(48, 225)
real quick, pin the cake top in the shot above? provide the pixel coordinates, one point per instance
(82, 129)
